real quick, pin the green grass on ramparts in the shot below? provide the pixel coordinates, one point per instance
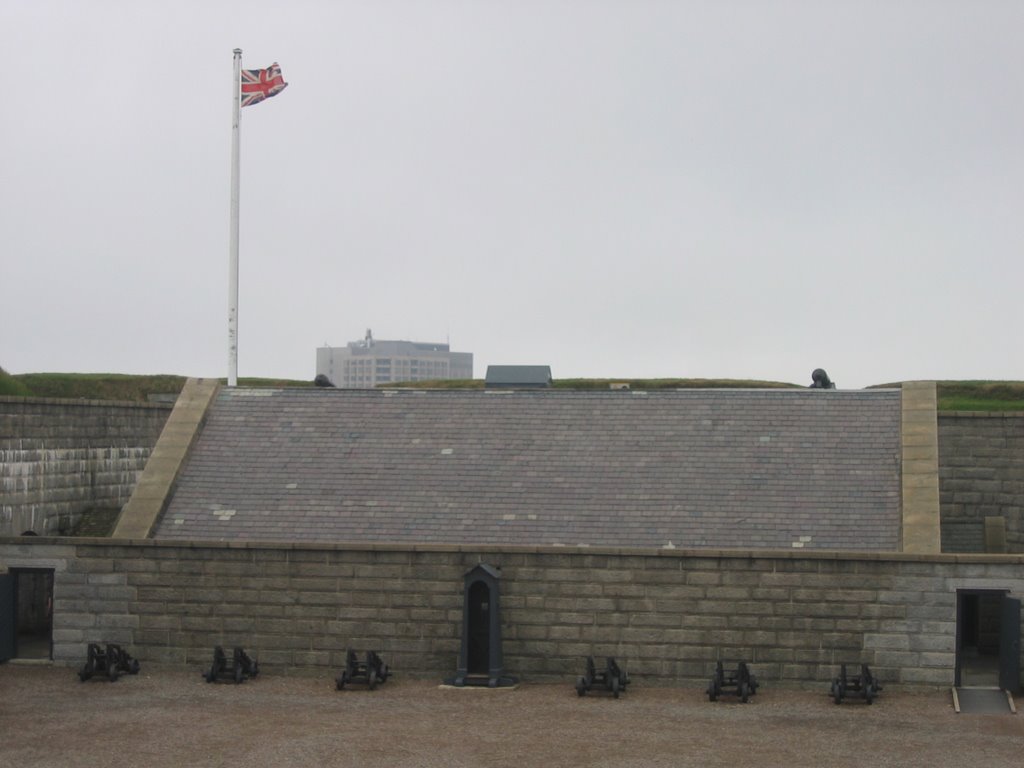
(981, 395)
(11, 387)
(100, 386)
(116, 386)
(977, 395)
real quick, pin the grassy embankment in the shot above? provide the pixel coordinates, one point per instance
(981, 395)
(110, 386)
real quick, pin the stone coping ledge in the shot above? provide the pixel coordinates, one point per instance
(981, 414)
(363, 546)
(86, 403)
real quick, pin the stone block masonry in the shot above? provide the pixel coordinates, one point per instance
(61, 457)
(981, 475)
(667, 614)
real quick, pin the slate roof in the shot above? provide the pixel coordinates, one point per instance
(686, 468)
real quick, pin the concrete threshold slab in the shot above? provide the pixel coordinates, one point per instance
(983, 701)
(446, 687)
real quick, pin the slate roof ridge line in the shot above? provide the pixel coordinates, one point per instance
(555, 392)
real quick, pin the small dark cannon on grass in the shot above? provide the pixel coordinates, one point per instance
(739, 681)
(240, 667)
(112, 661)
(371, 671)
(612, 678)
(864, 685)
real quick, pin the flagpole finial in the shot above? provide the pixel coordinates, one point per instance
(238, 52)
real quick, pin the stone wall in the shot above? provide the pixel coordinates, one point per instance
(61, 457)
(981, 474)
(667, 614)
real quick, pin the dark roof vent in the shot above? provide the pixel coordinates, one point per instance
(518, 376)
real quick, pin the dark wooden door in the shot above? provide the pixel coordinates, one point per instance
(479, 652)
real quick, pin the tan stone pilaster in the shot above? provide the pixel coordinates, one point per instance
(153, 491)
(920, 441)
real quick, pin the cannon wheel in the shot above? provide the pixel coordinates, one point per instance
(111, 671)
(712, 691)
(371, 679)
(744, 692)
(342, 680)
(615, 687)
(581, 686)
(238, 674)
(133, 668)
(869, 693)
(837, 694)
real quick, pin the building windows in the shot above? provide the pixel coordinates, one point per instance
(370, 362)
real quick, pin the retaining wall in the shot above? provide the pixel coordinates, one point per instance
(981, 474)
(668, 614)
(61, 457)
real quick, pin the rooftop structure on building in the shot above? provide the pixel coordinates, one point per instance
(518, 376)
(370, 362)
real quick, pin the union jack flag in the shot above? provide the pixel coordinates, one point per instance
(260, 84)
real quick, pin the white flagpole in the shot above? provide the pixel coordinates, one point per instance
(233, 245)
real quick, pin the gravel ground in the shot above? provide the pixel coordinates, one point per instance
(171, 717)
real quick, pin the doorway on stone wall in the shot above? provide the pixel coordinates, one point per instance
(987, 639)
(26, 614)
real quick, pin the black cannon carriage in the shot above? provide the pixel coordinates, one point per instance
(865, 685)
(238, 669)
(613, 678)
(739, 681)
(371, 672)
(111, 661)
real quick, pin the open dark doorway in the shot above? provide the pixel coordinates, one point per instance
(26, 614)
(987, 639)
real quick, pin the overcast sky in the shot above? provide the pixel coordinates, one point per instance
(615, 189)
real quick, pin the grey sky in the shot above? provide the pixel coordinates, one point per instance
(615, 189)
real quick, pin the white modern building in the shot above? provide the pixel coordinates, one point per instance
(365, 364)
